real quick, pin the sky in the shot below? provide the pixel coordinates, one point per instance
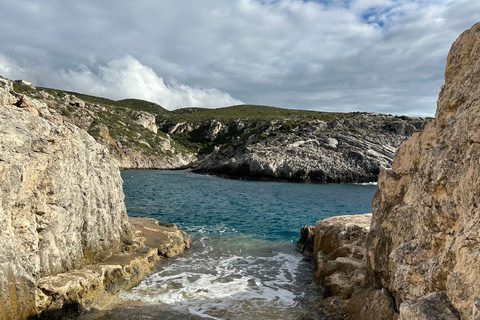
(385, 56)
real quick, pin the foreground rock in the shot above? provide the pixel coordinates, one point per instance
(61, 201)
(352, 148)
(61, 209)
(423, 249)
(76, 292)
(425, 237)
(340, 267)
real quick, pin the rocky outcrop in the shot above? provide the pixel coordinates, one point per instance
(340, 263)
(62, 213)
(423, 247)
(137, 158)
(145, 119)
(425, 237)
(62, 201)
(342, 150)
(130, 135)
(91, 287)
(253, 142)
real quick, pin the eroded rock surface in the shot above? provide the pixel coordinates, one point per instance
(64, 231)
(62, 201)
(350, 149)
(130, 134)
(425, 235)
(340, 263)
(94, 285)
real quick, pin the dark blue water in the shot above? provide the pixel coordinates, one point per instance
(243, 263)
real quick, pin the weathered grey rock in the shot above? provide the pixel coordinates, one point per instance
(432, 306)
(306, 241)
(351, 150)
(425, 236)
(145, 119)
(214, 129)
(131, 136)
(61, 201)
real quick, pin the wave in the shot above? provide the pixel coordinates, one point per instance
(225, 285)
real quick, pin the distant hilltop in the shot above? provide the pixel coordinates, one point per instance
(245, 141)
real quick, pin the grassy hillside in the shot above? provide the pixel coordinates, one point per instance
(256, 120)
(247, 113)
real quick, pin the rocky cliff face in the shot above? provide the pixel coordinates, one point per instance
(130, 134)
(253, 142)
(61, 203)
(350, 149)
(424, 244)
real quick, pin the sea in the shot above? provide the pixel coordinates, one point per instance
(243, 262)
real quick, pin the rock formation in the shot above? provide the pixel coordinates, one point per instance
(62, 200)
(425, 237)
(252, 142)
(130, 134)
(423, 248)
(340, 268)
(342, 150)
(61, 208)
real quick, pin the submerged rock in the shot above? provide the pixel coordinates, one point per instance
(305, 243)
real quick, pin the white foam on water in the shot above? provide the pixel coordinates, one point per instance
(367, 184)
(223, 285)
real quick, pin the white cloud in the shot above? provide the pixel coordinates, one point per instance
(371, 55)
(122, 78)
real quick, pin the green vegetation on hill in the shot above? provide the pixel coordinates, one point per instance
(249, 113)
(193, 115)
(239, 123)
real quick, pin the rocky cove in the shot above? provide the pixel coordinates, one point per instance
(67, 241)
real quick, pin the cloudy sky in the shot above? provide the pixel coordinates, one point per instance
(334, 55)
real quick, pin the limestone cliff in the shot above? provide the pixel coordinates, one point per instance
(66, 240)
(423, 247)
(61, 200)
(346, 148)
(424, 244)
(247, 141)
(128, 131)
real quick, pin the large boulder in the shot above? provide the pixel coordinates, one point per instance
(425, 234)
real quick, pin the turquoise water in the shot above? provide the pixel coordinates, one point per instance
(243, 263)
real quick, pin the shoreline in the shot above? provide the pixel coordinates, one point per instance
(248, 177)
(93, 288)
